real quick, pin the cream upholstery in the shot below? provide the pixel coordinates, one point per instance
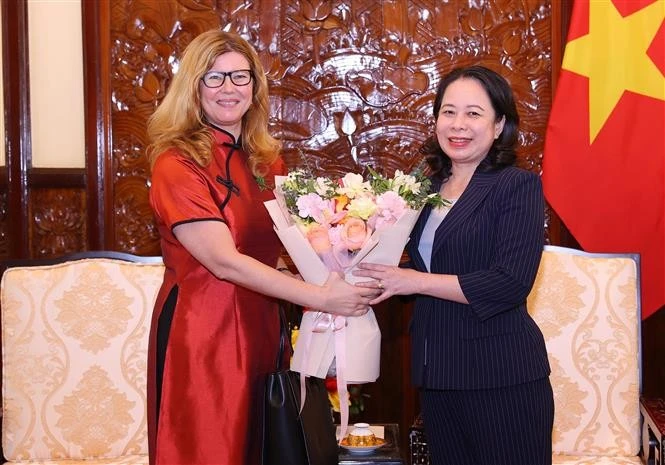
(74, 346)
(587, 306)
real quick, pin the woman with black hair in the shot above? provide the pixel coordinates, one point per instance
(477, 356)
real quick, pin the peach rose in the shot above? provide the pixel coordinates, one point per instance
(354, 233)
(317, 235)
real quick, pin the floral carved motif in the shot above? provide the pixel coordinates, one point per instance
(59, 222)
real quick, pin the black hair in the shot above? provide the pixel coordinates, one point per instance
(502, 153)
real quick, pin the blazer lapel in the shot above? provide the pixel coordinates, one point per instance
(478, 188)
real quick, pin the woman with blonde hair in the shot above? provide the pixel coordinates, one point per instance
(215, 327)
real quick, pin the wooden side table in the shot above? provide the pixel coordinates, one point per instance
(653, 431)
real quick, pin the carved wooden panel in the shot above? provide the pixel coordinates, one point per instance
(352, 82)
(58, 222)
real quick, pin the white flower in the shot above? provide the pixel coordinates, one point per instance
(353, 185)
(294, 182)
(362, 207)
(323, 186)
(405, 183)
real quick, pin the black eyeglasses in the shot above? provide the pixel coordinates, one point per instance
(214, 79)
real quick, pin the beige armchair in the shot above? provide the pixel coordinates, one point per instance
(74, 347)
(588, 308)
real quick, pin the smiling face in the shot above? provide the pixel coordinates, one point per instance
(466, 125)
(225, 106)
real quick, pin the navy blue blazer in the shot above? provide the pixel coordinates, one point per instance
(492, 239)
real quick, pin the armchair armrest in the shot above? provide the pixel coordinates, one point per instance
(653, 430)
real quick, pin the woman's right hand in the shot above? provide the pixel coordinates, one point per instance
(345, 299)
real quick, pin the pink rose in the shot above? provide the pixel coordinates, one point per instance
(354, 233)
(317, 235)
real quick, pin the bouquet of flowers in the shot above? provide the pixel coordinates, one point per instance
(338, 217)
(333, 225)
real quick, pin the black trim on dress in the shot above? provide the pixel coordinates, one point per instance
(163, 331)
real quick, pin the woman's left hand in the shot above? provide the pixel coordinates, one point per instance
(389, 280)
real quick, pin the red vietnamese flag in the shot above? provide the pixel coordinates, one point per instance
(605, 146)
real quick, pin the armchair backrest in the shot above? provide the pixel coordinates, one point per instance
(588, 307)
(74, 350)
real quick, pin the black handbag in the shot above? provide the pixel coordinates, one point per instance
(291, 437)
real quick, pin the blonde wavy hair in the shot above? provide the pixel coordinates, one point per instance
(179, 123)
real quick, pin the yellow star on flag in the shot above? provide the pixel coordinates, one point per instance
(613, 55)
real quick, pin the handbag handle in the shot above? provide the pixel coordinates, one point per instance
(283, 338)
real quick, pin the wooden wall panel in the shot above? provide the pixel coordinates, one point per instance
(97, 99)
(352, 82)
(58, 221)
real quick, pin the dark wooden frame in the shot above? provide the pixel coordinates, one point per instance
(97, 94)
(16, 77)
(18, 176)
(124, 256)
